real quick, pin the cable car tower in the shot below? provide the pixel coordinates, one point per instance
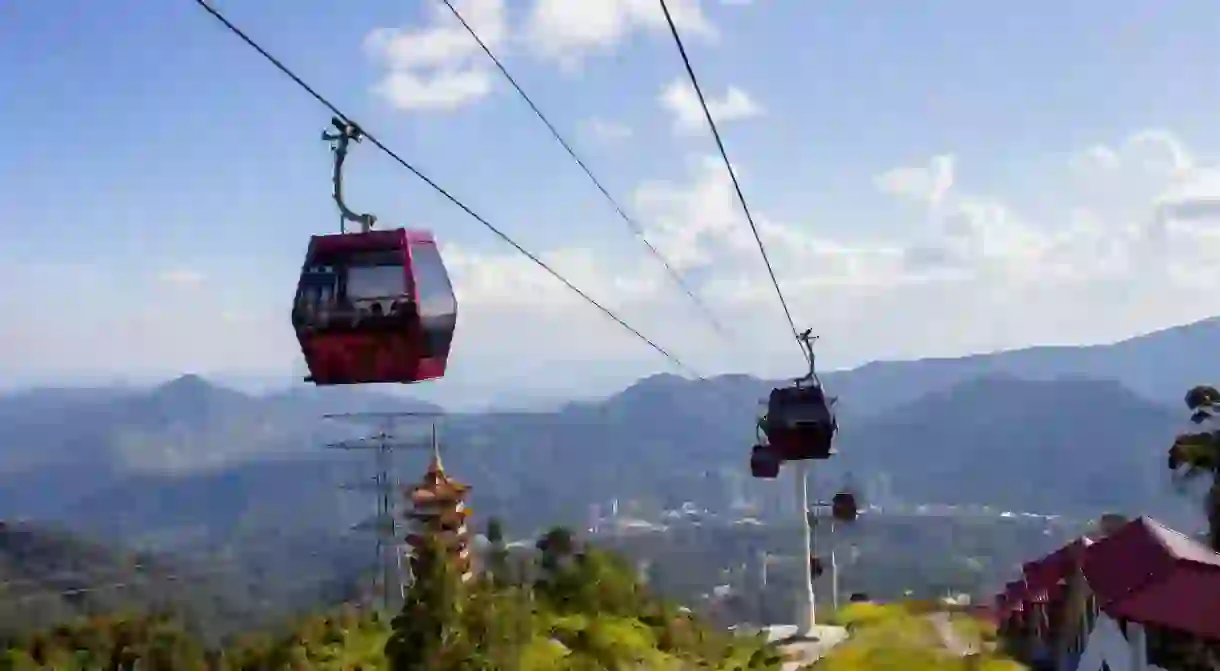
(384, 523)
(799, 426)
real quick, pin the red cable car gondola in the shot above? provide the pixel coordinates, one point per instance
(763, 463)
(373, 306)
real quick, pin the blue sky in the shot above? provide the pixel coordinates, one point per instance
(161, 180)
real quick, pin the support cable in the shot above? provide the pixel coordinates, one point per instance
(690, 71)
(436, 187)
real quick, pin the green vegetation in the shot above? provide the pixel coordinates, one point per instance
(564, 607)
(1196, 454)
(905, 636)
(583, 608)
(49, 576)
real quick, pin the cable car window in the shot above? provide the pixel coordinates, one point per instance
(376, 275)
(434, 296)
(433, 291)
(316, 291)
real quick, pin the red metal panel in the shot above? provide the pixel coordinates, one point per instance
(1187, 599)
(365, 358)
(343, 243)
(1044, 574)
(359, 356)
(1136, 575)
(1125, 561)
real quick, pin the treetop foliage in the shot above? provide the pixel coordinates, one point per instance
(568, 606)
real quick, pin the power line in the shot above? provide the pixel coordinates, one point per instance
(631, 223)
(384, 523)
(436, 187)
(732, 175)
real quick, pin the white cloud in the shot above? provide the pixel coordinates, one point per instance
(1077, 254)
(567, 31)
(925, 184)
(681, 101)
(440, 66)
(182, 277)
(971, 271)
(604, 130)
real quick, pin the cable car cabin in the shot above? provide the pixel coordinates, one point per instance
(800, 423)
(374, 307)
(763, 463)
(816, 568)
(843, 507)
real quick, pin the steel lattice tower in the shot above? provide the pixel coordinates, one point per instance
(384, 523)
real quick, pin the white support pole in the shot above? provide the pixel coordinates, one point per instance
(834, 567)
(805, 616)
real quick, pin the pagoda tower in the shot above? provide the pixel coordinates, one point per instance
(438, 510)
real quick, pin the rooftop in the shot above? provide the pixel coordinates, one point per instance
(1143, 571)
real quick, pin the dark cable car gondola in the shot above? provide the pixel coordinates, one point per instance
(816, 568)
(763, 463)
(800, 422)
(843, 507)
(372, 306)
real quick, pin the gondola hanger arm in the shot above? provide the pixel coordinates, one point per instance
(348, 132)
(806, 340)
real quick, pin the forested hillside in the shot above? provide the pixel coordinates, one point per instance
(567, 606)
(49, 576)
(237, 491)
(662, 442)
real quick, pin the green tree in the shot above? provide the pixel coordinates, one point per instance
(500, 623)
(1196, 454)
(427, 633)
(597, 582)
(556, 547)
(497, 555)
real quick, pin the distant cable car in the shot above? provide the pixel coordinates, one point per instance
(373, 306)
(763, 463)
(843, 507)
(816, 569)
(800, 422)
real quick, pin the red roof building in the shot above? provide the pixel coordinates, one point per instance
(1140, 572)
(1148, 573)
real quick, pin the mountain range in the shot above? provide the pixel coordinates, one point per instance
(1053, 429)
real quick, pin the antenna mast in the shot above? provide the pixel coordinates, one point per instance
(384, 522)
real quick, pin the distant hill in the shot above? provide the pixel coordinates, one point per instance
(1038, 429)
(1075, 446)
(49, 575)
(1158, 366)
(1065, 445)
(183, 425)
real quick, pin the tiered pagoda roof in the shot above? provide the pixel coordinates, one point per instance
(438, 511)
(436, 487)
